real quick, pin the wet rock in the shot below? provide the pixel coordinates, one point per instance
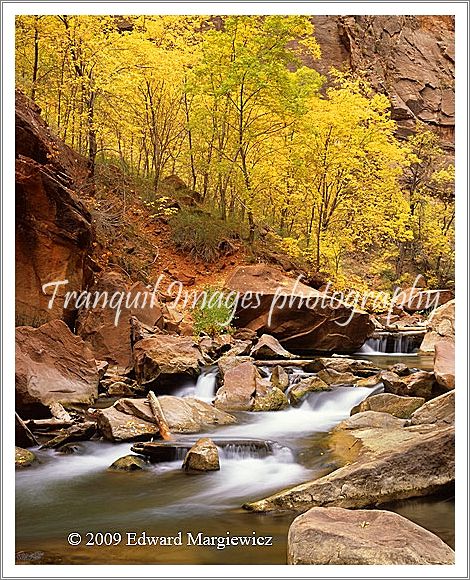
(357, 537)
(371, 381)
(444, 364)
(440, 410)
(116, 426)
(52, 365)
(165, 356)
(269, 398)
(128, 463)
(402, 407)
(268, 347)
(203, 456)
(280, 378)
(23, 457)
(110, 336)
(302, 318)
(441, 326)
(308, 385)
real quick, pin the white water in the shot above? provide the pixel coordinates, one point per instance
(206, 383)
(393, 343)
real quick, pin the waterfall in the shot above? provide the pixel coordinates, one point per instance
(392, 343)
(206, 384)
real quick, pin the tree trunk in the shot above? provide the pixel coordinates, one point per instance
(159, 416)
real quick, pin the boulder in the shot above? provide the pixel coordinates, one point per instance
(419, 384)
(440, 326)
(332, 377)
(362, 537)
(308, 385)
(384, 463)
(128, 463)
(109, 331)
(444, 364)
(228, 362)
(299, 317)
(23, 458)
(244, 390)
(362, 368)
(203, 456)
(53, 233)
(117, 426)
(401, 407)
(268, 347)
(53, 365)
(165, 356)
(400, 369)
(183, 415)
(280, 378)
(440, 410)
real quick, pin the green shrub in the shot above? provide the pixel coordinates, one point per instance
(214, 313)
(202, 236)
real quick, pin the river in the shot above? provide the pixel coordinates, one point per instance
(76, 493)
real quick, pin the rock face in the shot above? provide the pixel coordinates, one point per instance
(53, 365)
(385, 461)
(402, 407)
(440, 327)
(411, 58)
(358, 537)
(53, 229)
(203, 456)
(110, 335)
(164, 356)
(244, 390)
(444, 364)
(301, 318)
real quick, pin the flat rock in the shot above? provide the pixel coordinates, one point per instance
(440, 410)
(357, 537)
(401, 407)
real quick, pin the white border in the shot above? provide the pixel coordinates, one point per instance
(354, 8)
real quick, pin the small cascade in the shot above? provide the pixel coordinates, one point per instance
(206, 384)
(393, 343)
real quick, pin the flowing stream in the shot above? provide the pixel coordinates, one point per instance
(76, 493)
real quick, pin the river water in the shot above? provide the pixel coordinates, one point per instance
(76, 493)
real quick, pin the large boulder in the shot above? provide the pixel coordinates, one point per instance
(203, 456)
(117, 426)
(244, 390)
(183, 414)
(301, 318)
(107, 330)
(444, 364)
(357, 537)
(402, 407)
(384, 461)
(300, 390)
(53, 365)
(165, 356)
(441, 326)
(419, 384)
(53, 234)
